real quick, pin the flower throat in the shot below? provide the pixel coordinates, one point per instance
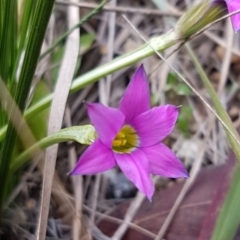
(126, 140)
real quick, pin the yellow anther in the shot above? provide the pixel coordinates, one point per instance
(117, 143)
(124, 141)
(120, 135)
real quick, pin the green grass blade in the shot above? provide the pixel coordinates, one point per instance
(1, 17)
(37, 32)
(27, 14)
(8, 44)
(8, 38)
(229, 217)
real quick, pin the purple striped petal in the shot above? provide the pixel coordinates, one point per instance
(136, 98)
(96, 159)
(163, 162)
(106, 120)
(136, 167)
(155, 124)
(234, 5)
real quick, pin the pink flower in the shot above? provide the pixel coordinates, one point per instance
(131, 136)
(232, 6)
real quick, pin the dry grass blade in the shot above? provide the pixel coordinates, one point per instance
(56, 116)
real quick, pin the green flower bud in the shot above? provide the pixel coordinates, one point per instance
(197, 18)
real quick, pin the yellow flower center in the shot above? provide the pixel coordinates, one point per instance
(126, 140)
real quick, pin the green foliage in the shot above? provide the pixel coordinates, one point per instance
(86, 41)
(184, 120)
(8, 38)
(8, 44)
(27, 10)
(38, 122)
(178, 87)
(8, 57)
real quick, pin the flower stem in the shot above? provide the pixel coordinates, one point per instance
(81, 134)
(160, 43)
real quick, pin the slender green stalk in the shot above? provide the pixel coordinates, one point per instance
(160, 43)
(81, 134)
(13, 38)
(36, 36)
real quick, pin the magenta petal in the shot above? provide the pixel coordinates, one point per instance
(136, 167)
(155, 124)
(106, 120)
(96, 159)
(234, 5)
(136, 98)
(163, 162)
